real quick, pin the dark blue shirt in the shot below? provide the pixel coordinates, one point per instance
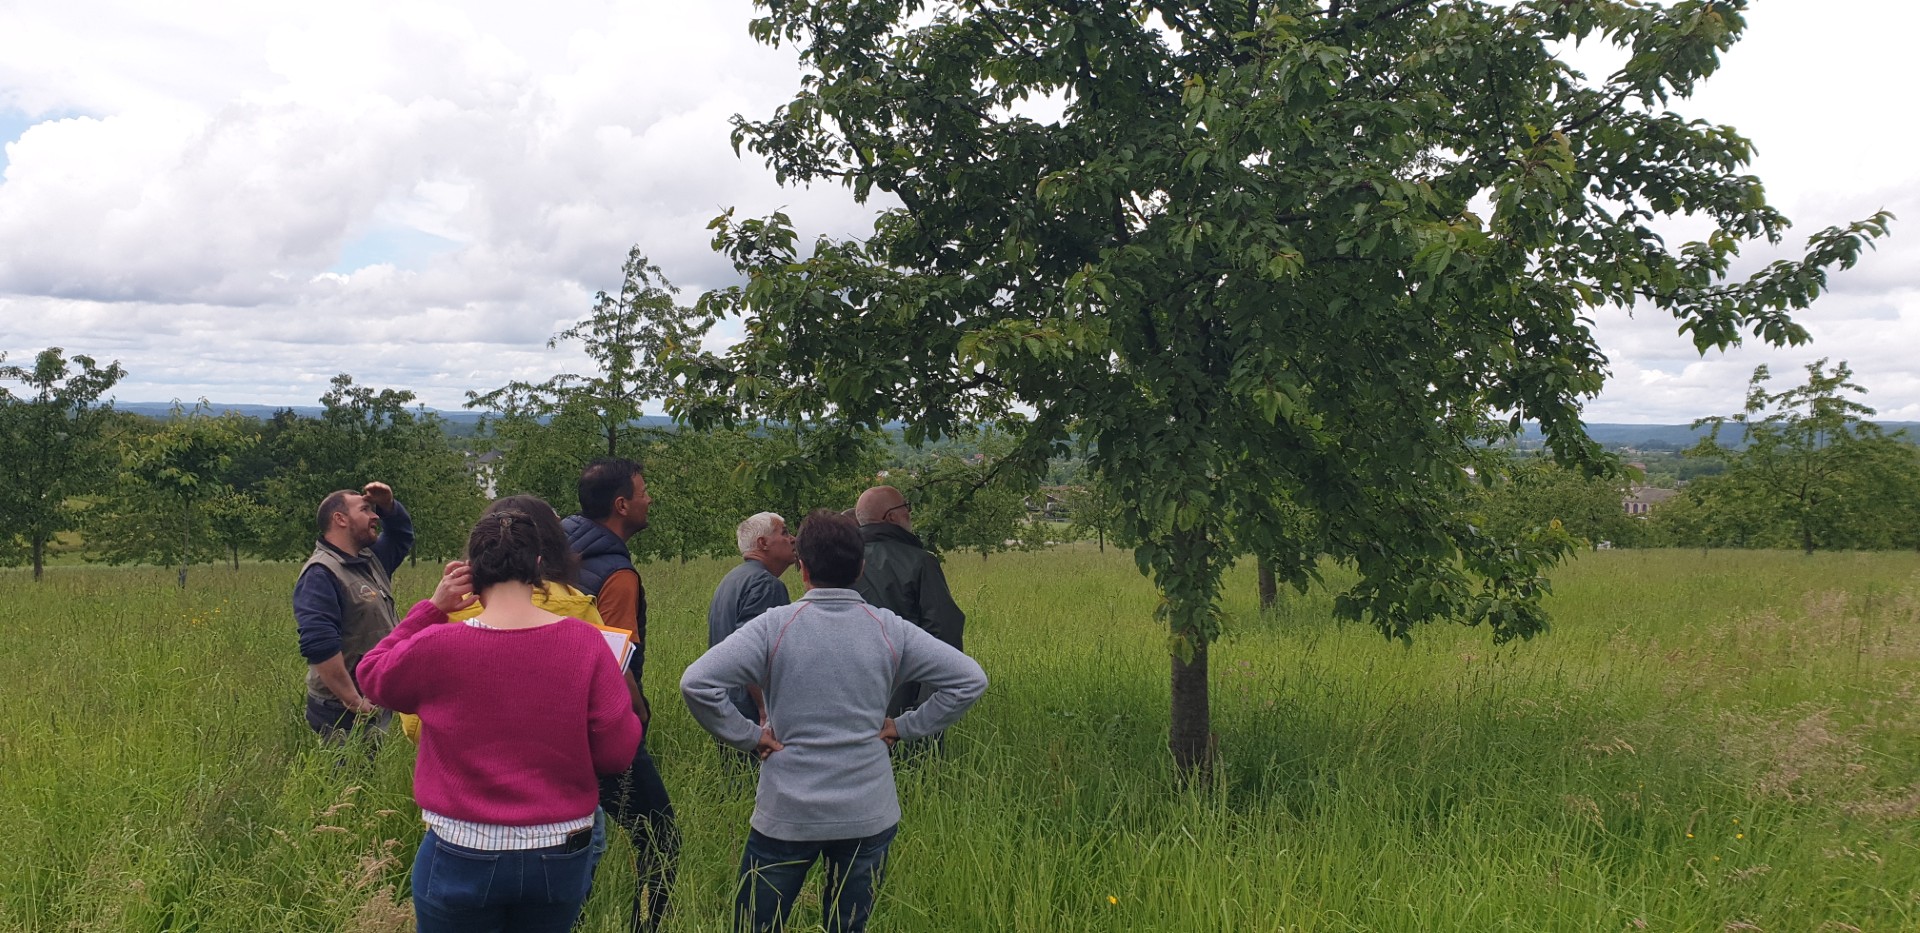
(744, 593)
(316, 596)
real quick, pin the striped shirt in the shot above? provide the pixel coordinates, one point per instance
(492, 837)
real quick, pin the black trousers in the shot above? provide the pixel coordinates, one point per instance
(636, 801)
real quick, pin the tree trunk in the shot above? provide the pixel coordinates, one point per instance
(39, 557)
(1102, 535)
(186, 541)
(235, 548)
(1191, 734)
(1806, 540)
(1268, 588)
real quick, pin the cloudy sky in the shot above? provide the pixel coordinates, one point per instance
(239, 200)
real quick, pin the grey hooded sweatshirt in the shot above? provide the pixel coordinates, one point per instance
(828, 664)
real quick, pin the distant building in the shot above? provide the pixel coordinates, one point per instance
(486, 469)
(1641, 499)
(1050, 502)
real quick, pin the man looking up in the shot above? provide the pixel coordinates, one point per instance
(828, 663)
(613, 508)
(902, 575)
(753, 587)
(343, 603)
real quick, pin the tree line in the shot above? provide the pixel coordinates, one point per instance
(1801, 468)
(200, 486)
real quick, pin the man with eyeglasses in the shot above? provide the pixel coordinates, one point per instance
(903, 576)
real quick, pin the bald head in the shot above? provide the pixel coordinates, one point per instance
(883, 504)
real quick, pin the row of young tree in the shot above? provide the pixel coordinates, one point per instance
(1801, 468)
(202, 486)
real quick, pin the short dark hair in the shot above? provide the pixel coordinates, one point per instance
(504, 545)
(334, 504)
(830, 548)
(558, 563)
(603, 481)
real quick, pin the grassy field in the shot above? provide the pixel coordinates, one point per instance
(1713, 742)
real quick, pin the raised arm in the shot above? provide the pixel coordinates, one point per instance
(396, 535)
(395, 674)
(392, 674)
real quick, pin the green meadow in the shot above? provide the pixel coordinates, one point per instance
(1709, 741)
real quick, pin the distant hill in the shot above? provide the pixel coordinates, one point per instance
(249, 410)
(1670, 436)
(459, 423)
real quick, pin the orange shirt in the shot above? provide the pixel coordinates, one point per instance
(620, 602)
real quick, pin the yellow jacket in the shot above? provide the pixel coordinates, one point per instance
(557, 598)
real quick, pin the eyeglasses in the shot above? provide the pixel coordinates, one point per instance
(904, 505)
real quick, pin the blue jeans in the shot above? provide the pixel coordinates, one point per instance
(773, 870)
(461, 890)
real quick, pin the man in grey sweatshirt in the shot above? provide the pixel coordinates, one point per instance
(827, 664)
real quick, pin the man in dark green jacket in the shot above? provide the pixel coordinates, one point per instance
(901, 575)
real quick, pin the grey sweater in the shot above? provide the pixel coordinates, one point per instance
(828, 664)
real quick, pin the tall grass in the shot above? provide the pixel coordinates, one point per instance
(1712, 741)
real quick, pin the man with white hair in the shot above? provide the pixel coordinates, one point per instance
(766, 551)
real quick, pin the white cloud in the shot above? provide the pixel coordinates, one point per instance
(417, 193)
(240, 200)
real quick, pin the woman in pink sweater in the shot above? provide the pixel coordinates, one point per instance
(523, 710)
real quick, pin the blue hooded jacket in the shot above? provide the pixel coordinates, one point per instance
(602, 553)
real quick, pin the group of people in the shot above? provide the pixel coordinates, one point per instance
(532, 731)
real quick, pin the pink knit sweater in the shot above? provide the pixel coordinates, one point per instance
(519, 723)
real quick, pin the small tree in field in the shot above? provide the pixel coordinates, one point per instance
(1092, 511)
(236, 521)
(182, 463)
(1808, 465)
(626, 337)
(51, 447)
(1270, 260)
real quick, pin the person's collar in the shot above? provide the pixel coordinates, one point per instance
(606, 525)
(344, 554)
(832, 592)
(890, 531)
